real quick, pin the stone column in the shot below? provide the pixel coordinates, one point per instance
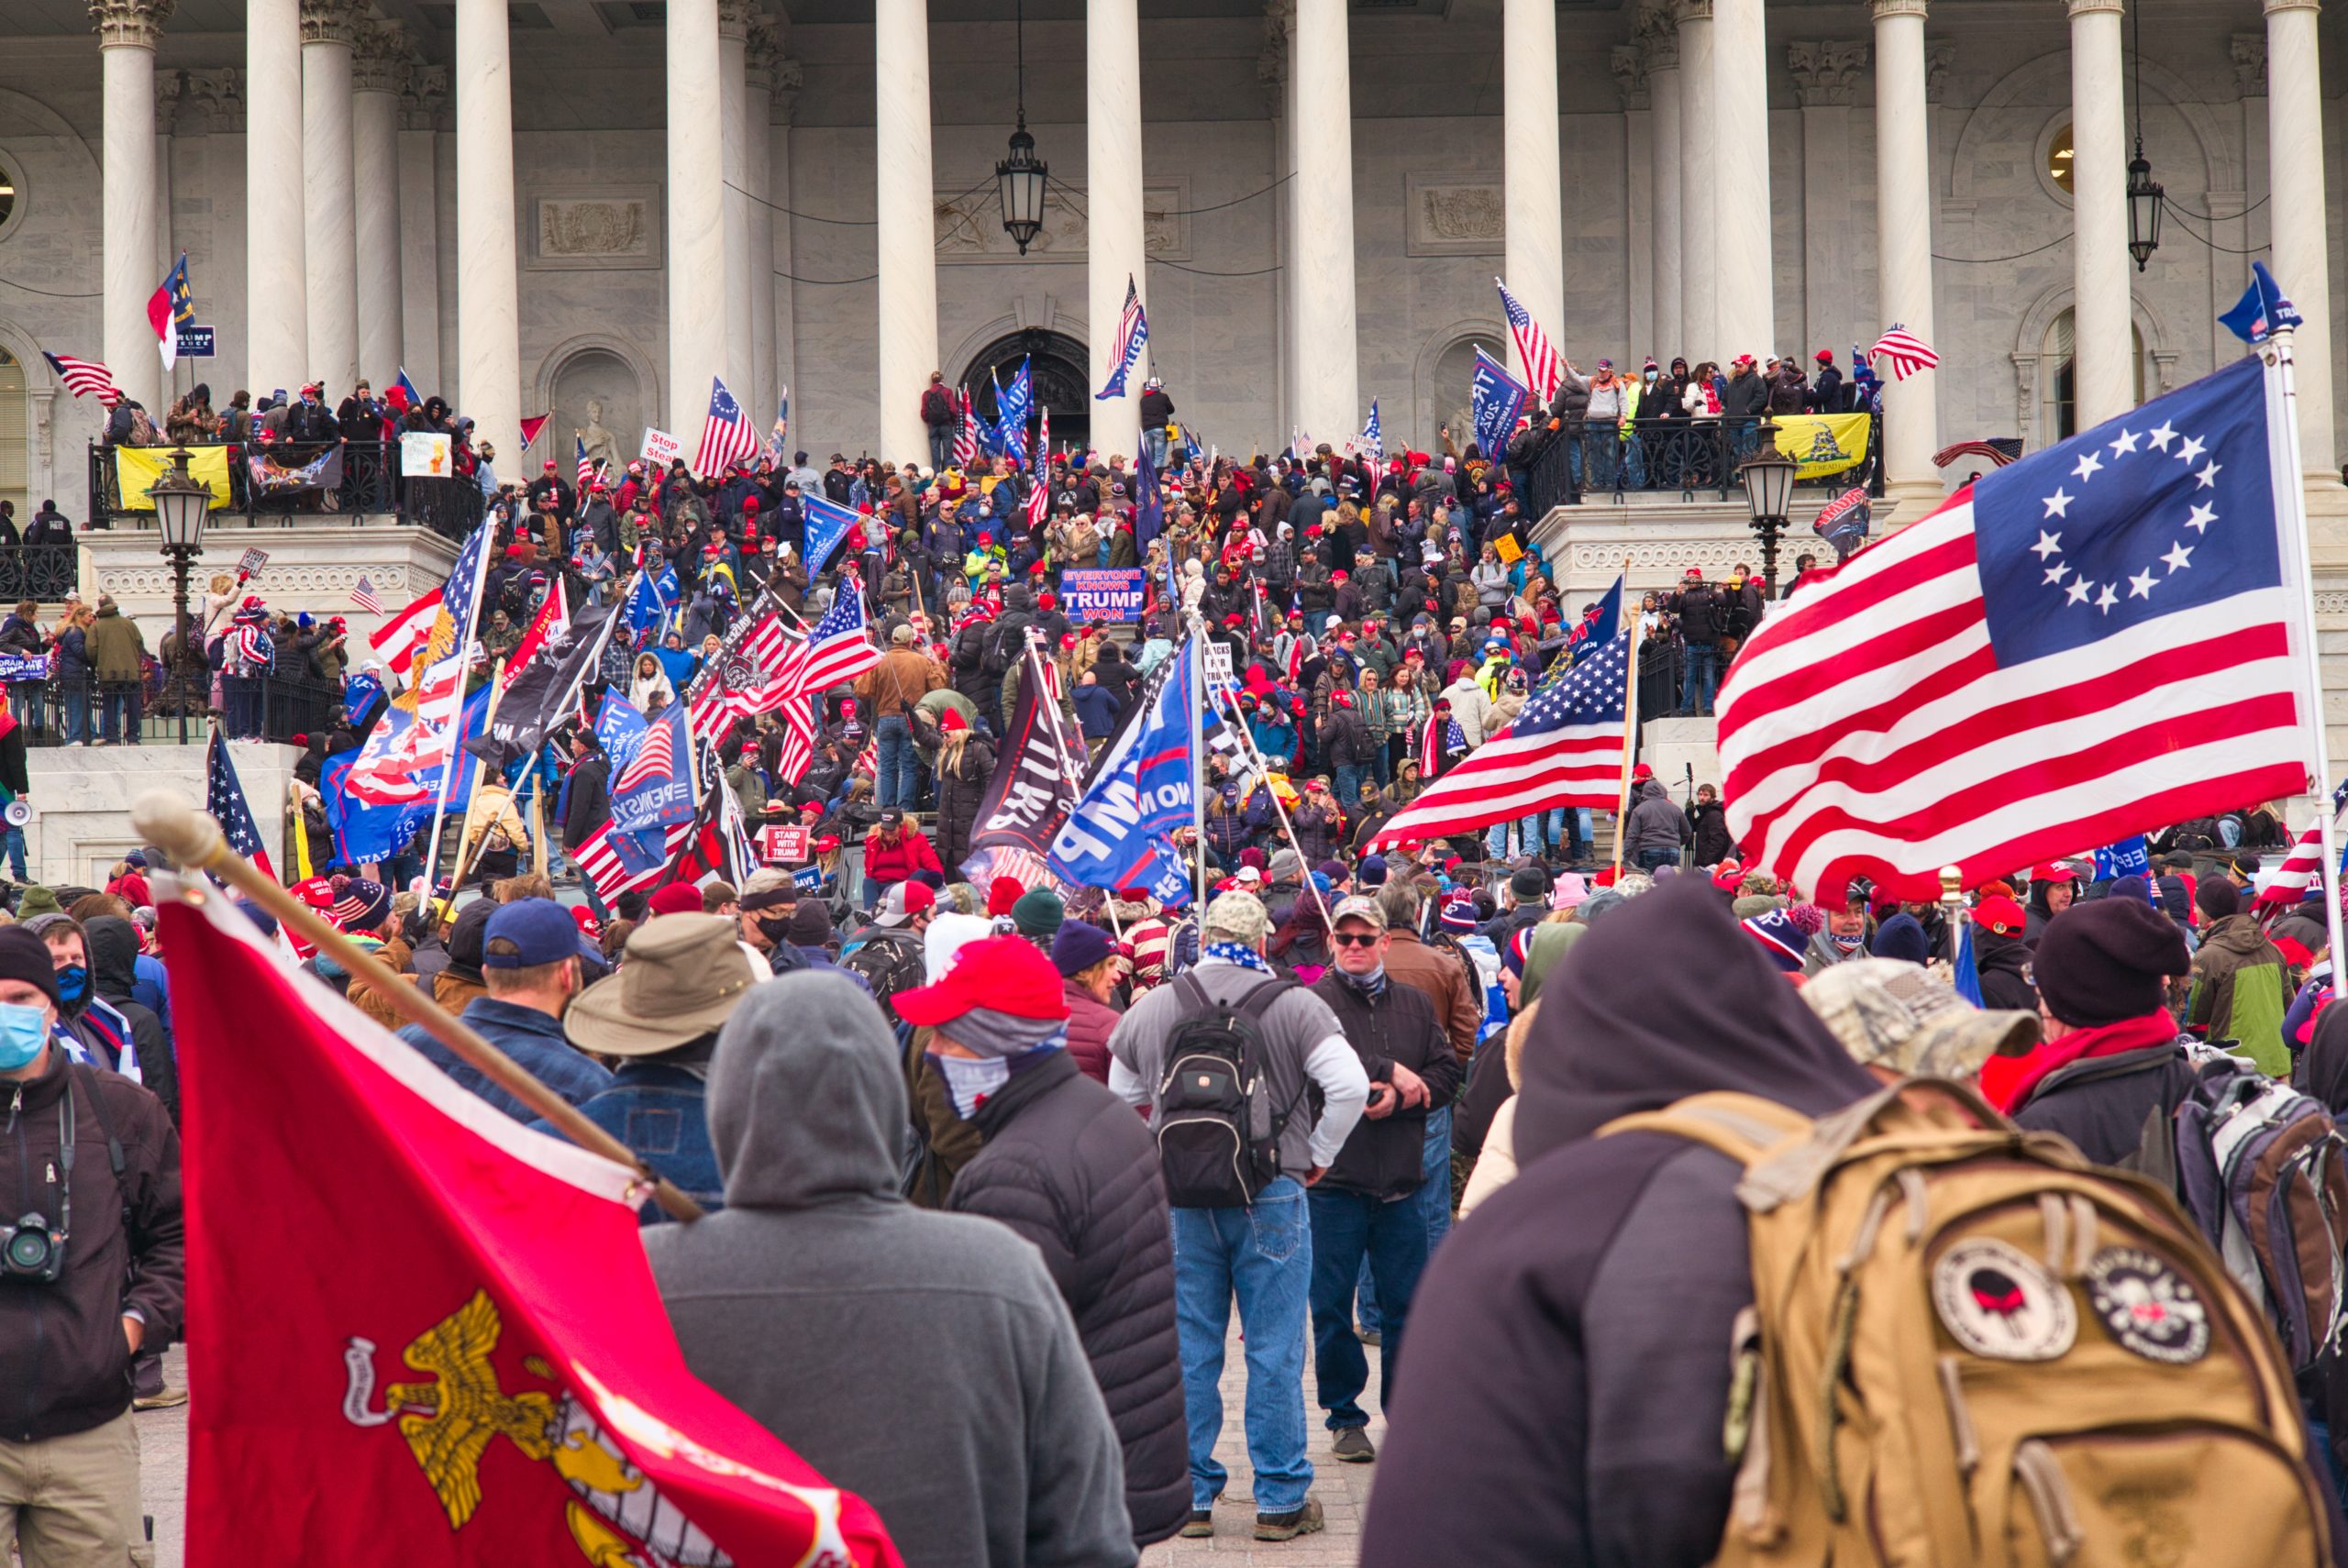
(1660, 33)
(1535, 255)
(1113, 194)
(1904, 214)
(1698, 189)
(2105, 374)
(758, 104)
(1328, 393)
(734, 135)
(276, 289)
(375, 170)
(1742, 269)
(129, 31)
(329, 211)
(905, 197)
(782, 293)
(2302, 247)
(171, 89)
(424, 92)
(698, 292)
(1629, 66)
(489, 321)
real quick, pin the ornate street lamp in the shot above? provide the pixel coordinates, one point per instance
(2143, 191)
(1768, 477)
(182, 504)
(1020, 177)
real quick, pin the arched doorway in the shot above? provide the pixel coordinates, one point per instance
(15, 465)
(1057, 366)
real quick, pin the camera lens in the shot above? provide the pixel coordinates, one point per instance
(28, 1249)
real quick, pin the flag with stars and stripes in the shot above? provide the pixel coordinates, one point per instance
(2096, 641)
(362, 593)
(727, 437)
(1133, 333)
(1373, 437)
(224, 797)
(1564, 748)
(1906, 352)
(966, 431)
(1996, 451)
(1542, 369)
(586, 465)
(85, 377)
(1012, 404)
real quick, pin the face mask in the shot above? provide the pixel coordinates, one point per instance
(73, 984)
(23, 1031)
(968, 1080)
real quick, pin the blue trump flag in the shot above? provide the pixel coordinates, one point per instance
(2261, 309)
(2129, 857)
(1116, 834)
(650, 602)
(375, 811)
(359, 696)
(827, 524)
(655, 789)
(619, 728)
(1499, 400)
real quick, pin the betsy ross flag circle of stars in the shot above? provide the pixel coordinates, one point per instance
(2162, 442)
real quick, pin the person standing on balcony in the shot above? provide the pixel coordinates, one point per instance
(21, 638)
(70, 670)
(1743, 402)
(115, 648)
(1603, 421)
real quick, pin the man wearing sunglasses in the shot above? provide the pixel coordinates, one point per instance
(1361, 1207)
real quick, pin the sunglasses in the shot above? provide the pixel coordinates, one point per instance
(1356, 938)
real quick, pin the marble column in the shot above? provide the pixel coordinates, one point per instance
(1113, 194)
(905, 194)
(1328, 397)
(698, 292)
(171, 88)
(375, 170)
(1903, 216)
(781, 291)
(276, 290)
(488, 330)
(423, 94)
(1698, 189)
(2104, 358)
(1661, 35)
(2302, 246)
(734, 134)
(129, 31)
(758, 104)
(1743, 271)
(329, 210)
(1629, 66)
(1533, 254)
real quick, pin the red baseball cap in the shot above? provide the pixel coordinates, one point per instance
(2001, 915)
(2053, 871)
(1007, 974)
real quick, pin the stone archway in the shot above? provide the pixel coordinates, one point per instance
(594, 370)
(1058, 367)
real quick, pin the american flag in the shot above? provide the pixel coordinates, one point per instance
(798, 738)
(1906, 352)
(82, 377)
(1373, 435)
(1132, 332)
(2089, 644)
(428, 629)
(966, 432)
(1564, 748)
(362, 593)
(1039, 495)
(655, 758)
(837, 650)
(587, 464)
(709, 851)
(2300, 868)
(224, 797)
(727, 437)
(1996, 451)
(1543, 370)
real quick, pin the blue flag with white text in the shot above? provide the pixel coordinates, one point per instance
(827, 524)
(1499, 400)
(2261, 309)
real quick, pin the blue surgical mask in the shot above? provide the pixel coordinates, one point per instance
(970, 1079)
(23, 1031)
(73, 983)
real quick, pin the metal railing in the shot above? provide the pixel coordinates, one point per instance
(1664, 455)
(81, 710)
(371, 484)
(46, 573)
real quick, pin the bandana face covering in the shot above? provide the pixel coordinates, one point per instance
(969, 1080)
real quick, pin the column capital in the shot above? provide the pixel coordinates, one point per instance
(2082, 8)
(2249, 51)
(379, 56)
(1826, 70)
(790, 75)
(1695, 10)
(765, 47)
(1272, 59)
(1657, 32)
(2273, 6)
(218, 95)
(1879, 9)
(1630, 68)
(735, 18)
(129, 23)
(424, 89)
(170, 91)
(331, 21)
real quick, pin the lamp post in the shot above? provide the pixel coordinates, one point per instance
(182, 504)
(1768, 477)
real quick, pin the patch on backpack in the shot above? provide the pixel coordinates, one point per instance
(2150, 1308)
(1997, 1302)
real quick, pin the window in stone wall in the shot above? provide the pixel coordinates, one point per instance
(13, 478)
(2058, 382)
(2058, 159)
(11, 196)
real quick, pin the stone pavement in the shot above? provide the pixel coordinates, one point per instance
(1343, 1489)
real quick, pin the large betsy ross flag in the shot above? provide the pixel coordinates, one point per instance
(486, 1371)
(727, 437)
(2089, 644)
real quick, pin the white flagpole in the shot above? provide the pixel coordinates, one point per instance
(1630, 612)
(2294, 530)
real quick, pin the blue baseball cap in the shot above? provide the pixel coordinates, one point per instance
(528, 932)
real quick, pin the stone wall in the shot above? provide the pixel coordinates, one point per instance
(82, 799)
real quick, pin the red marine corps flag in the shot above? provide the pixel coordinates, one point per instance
(437, 1339)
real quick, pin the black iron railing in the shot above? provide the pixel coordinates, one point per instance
(1663, 456)
(46, 573)
(369, 483)
(84, 710)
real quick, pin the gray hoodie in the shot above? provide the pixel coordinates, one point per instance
(923, 1361)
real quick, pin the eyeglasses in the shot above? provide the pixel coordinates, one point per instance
(1356, 938)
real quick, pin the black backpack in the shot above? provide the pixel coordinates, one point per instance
(1218, 1136)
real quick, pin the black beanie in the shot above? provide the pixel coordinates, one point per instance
(2217, 898)
(1529, 883)
(24, 956)
(2102, 961)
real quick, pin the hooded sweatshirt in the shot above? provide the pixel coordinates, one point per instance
(923, 1361)
(1569, 1359)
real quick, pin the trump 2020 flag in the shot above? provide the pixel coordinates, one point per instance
(2096, 640)
(468, 1360)
(1499, 400)
(1116, 834)
(2261, 309)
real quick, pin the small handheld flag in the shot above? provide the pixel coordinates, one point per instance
(2261, 309)
(1906, 352)
(1373, 435)
(362, 593)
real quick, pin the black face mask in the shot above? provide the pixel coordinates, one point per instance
(774, 930)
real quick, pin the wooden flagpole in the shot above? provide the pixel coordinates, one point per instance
(1630, 721)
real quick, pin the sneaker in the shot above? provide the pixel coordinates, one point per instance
(1200, 1524)
(1297, 1521)
(163, 1399)
(1353, 1445)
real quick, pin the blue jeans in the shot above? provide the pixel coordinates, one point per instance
(1265, 1254)
(587, 886)
(1434, 1201)
(1701, 680)
(941, 445)
(1652, 859)
(1348, 785)
(77, 713)
(122, 711)
(900, 780)
(1155, 439)
(16, 848)
(1348, 1227)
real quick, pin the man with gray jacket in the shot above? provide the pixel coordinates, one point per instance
(924, 1361)
(1657, 829)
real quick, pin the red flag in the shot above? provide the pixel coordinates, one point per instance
(552, 619)
(437, 1341)
(531, 427)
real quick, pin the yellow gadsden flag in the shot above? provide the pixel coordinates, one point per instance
(135, 469)
(1823, 444)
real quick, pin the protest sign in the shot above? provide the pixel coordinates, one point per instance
(1102, 593)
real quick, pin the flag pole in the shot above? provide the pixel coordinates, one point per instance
(193, 840)
(1630, 720)
(466, 857)
(2295, 540)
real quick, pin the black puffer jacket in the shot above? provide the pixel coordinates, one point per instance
(1069, 1166)
(959, 796)
(2004, 981)
(1386, 1158)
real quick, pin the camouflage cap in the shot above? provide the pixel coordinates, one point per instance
(1900, 1018)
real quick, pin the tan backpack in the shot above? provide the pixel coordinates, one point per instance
(1969, 1346)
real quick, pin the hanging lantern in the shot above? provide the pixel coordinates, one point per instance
(1019, 180)
(2144, 208)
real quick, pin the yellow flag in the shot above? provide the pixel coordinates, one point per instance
(1823, 444)
(135, 469)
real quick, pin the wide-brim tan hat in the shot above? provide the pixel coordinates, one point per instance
(681, 977)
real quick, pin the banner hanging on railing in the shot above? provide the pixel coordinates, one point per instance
(135, 469)
(1823, 444)
(274, 473)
